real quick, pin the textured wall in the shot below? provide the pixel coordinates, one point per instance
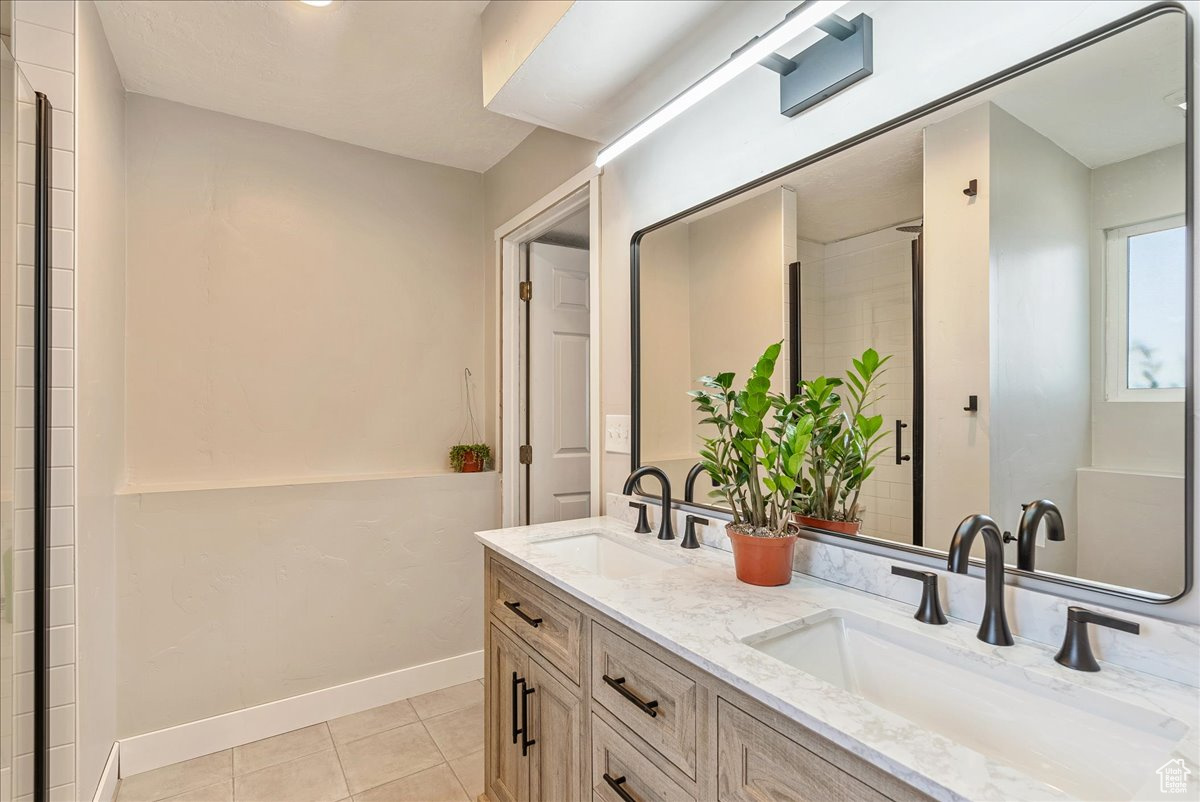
(232, 598)
(100, 322)
(297, 307)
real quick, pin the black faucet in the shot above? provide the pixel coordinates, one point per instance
(690, 541)
(1026, 537)
(1076, 651)
(689, 485)
(643, 525)
(930, 609)
(993, 628)
(665, 531)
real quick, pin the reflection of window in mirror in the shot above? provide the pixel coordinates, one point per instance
(1145, 333)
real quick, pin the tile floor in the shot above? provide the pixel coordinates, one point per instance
(425, 749)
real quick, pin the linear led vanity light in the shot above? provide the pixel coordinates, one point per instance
(805, 16)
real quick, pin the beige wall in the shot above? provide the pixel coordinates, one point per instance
(1133, 435)
(236, 597)
(100, 322)
(297, 307)
(956, 322)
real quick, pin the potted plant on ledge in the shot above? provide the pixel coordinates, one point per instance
(756, 463)
(844, 446)
(470, 458)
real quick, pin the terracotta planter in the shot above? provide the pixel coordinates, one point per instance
(765, 561)
(471, 463)
(841, 527)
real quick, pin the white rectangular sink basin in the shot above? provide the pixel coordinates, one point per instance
(602, 555)
(1086, 744)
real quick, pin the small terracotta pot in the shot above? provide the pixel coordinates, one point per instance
(841, 527)
(765, 561)
(471, 463)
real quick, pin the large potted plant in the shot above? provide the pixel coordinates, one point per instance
(756, 462)
(844, 446)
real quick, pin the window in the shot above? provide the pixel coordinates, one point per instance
(1146, 338)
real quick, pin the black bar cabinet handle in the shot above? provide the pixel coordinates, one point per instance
(516, 729)
(900, 443)
(618, 685)
(516, 608)
(526, 741)
(617, 789)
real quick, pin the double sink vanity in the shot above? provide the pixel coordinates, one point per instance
(622, 667)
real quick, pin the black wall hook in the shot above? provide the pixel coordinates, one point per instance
(972, 404)
(972, 188)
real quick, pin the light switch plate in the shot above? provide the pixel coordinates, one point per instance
(616, 434)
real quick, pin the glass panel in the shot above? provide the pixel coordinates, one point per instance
(1157, 308)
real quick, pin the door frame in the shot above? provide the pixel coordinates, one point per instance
(581, 190)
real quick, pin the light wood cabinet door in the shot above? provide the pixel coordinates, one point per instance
(556, 726)
(755, 763)
(651, 698)
(550, 626)
(507, 771)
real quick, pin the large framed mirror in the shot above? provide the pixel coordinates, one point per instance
(1020, 252)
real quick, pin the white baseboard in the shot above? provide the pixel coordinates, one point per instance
(106, 789)
(186, 741)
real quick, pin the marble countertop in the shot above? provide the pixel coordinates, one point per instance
(698, 610)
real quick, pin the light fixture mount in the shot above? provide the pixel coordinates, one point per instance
(828, 66)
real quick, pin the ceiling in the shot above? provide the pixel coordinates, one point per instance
(572, 232)
(400, 77)
(1108, 102)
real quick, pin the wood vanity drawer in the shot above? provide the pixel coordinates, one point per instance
(651, 698)
(755, 763)
(544, 621)
(616, 761)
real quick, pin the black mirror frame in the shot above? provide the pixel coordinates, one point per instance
(1054, 583)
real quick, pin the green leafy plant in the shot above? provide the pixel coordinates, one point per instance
(845, 442)
(458, 454)
(756, 457)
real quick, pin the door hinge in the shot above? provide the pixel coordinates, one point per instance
(526, 455)
(526, 291)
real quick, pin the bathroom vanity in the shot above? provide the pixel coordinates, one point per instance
(621, 667)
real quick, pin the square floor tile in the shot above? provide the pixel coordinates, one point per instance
(456, 697)
(368, 722)
(387, 756)
(312, 778)
(459, 733)
(281, 749)
(469, 771)
(220, 792)
(177, 778)
(437, 784)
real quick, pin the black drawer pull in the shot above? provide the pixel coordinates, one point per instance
(516, 729)
(618, 685)
(616, 786)
(526, 741)
(516, 608)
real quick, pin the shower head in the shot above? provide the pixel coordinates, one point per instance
(913, 229)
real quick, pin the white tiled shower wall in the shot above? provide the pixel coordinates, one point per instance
(857, 293)
(44, 47)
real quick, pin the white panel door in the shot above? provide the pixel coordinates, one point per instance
(559, 481)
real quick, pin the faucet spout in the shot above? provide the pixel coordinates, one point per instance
(993, 627)
(1035, 513)
(689, 486)
(665, 530)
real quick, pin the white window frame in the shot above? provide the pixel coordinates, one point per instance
(1116, 324)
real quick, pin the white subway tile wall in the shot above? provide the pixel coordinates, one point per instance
(857, 293)
(44, 47)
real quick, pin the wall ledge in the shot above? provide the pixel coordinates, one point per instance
(184, 487)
